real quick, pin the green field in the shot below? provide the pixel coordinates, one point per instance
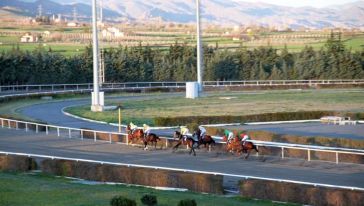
(355, 42)
(64, 49)
(38, 189)
(232, 103)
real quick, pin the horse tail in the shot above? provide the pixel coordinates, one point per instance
(255, 147)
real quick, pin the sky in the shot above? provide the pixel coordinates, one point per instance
(299, 3)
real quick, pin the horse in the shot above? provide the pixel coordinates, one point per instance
(177, 135)
(189, 141)
(153, 138)
(238, 147)
(136, 134)
(205, 140)
(233, 145)
(247, 146)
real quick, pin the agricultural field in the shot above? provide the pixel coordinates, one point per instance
(39, 189)
(162, 40)
(60, 48)
(232, 103)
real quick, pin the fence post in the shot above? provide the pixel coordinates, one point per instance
(166, 143)
(2, 123)
(36, 128)
(308, 155)
(69, 133)
(94, 136)
(9, 126)
(110, 138)
(58, 132)
(282, 152)
(257, 154)
(81, 134)
(46, 130)
(16, 126)
(337, 158)
(127, 139)
(26, 127)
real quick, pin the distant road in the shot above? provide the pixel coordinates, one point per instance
(310, 129)
(52, 114)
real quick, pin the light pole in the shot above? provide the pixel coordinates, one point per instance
(199, 48)
(97, 96)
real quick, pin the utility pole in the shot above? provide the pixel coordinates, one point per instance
(74, 14)
(40, 10)
(199, 48)
(97, 96)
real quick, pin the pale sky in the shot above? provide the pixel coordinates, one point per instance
(299, 3)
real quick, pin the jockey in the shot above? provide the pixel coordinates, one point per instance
(146, 129)
(229, 135)
(132, 127)
(202, 130)
(245, 138)
(184, 132)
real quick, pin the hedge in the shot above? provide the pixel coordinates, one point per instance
(282, 116)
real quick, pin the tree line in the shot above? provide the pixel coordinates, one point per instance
(178, 63)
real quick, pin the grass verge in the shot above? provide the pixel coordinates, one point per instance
(232, 103)
(40, 189)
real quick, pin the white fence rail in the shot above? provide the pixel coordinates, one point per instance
(182, 170)
(70, 133)
(133, 85)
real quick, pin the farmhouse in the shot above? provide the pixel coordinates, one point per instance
(28, 38)
(112, 32)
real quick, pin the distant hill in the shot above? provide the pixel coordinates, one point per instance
(215, 11)
(30, 7)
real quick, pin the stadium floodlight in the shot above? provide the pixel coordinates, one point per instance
(199, 48)
(97, 96)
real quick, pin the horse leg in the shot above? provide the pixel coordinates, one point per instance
(145, 145)
(193, 150)
(177, 145)
(247, 155)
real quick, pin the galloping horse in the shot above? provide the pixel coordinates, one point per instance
(189, 141)
(247, 147)
(239, 147)
(136, 134)
(205, 140)
(153, 138)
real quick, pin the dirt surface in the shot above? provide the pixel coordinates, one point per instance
(261, 166)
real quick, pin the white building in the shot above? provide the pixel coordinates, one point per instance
(28, 38)
(72, 24)
(112, 32)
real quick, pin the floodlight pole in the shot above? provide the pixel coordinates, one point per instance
(96, 100)
(199, 48)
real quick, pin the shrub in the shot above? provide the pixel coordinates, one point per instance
(282, 116)
(149, 200)
(122, 201)
(187, 202)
